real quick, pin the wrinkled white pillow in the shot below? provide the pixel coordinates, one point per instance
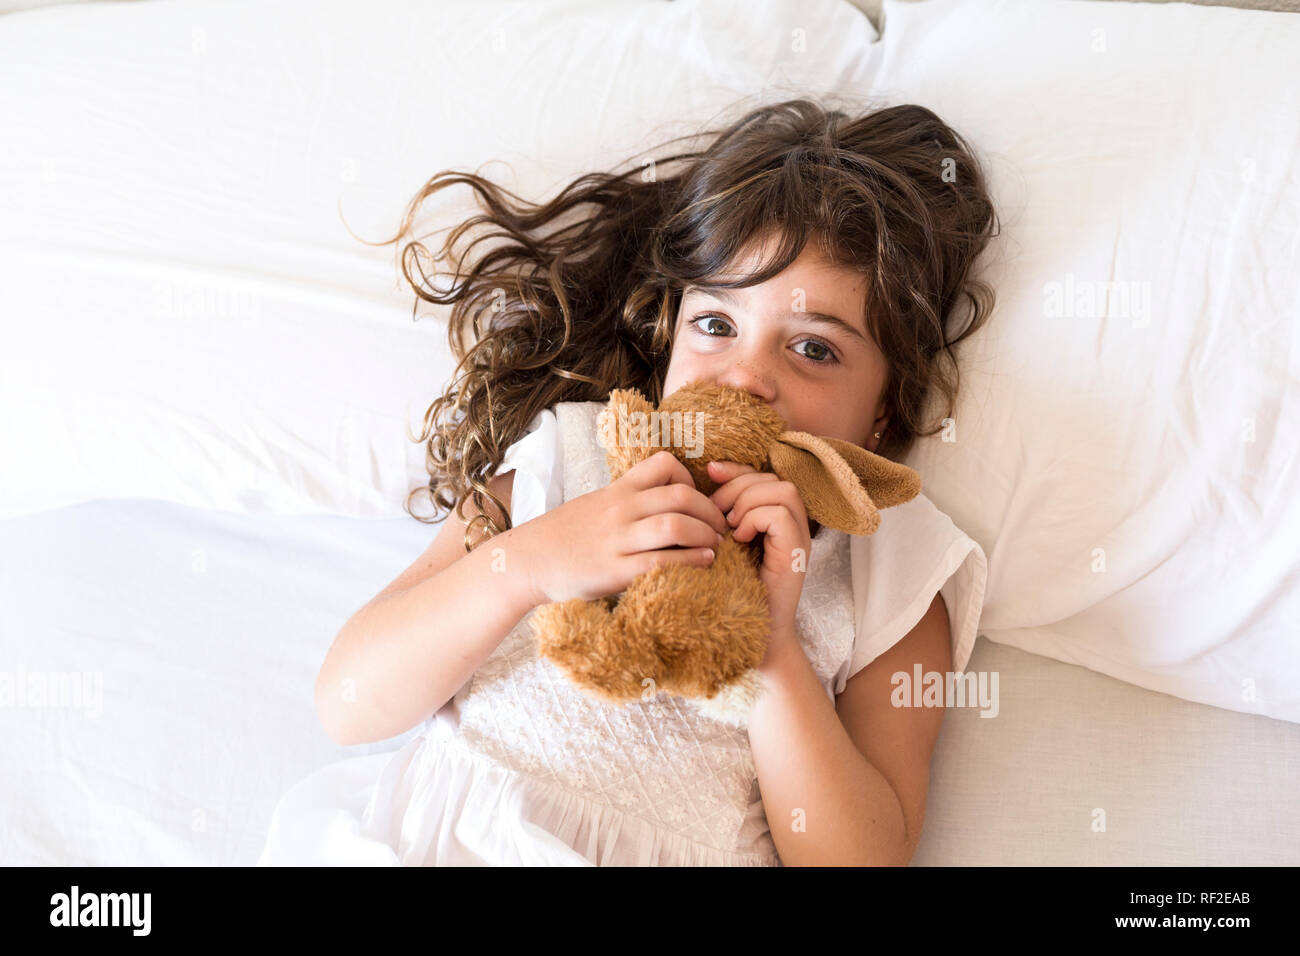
(1124, 446)
(185, 314)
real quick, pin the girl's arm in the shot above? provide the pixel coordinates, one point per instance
(407, 652)
(849, 791)
(411, 647)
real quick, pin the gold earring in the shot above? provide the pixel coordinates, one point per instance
(877, 434)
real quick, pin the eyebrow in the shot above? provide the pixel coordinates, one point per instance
(820, 318)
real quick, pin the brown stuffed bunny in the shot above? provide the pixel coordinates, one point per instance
(700, 632)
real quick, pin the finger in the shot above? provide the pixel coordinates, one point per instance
(682, 499)
(725, 496)
(648, 560)
(670, 529)
(782, 534)
(721, 471)
(661, 468)
(767, 493)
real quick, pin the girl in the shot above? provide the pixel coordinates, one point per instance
(808, 256)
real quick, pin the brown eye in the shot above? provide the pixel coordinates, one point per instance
(706, 318)
(828, 355)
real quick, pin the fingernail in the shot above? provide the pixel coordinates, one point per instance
(719, 541)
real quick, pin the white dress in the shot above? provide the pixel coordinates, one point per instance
(521, 768)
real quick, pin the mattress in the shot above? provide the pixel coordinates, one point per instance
(167, 657)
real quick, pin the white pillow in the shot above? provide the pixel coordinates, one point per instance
(185, 314)
(1130, 472)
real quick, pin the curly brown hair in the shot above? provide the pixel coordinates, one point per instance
(569, 312)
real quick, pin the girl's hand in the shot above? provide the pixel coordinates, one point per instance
(762, 502)
(597, 544)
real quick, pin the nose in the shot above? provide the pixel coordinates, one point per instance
(751, 376)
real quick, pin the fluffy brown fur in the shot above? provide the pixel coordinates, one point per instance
(701, 632)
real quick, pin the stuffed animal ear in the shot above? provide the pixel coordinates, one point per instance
(842, 485)
(625, 405)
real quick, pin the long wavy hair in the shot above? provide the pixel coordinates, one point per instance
(581, 294)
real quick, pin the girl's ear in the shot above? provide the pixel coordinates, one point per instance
(842, 485)
(878, 428)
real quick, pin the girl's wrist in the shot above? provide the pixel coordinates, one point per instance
(783, 648)
(516, 563)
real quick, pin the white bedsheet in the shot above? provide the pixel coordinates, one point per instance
(207, 629)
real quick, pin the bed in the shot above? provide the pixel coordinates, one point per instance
(181, 539)
(204, 630)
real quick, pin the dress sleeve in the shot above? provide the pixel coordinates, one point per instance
(535, 460)
(916, 552)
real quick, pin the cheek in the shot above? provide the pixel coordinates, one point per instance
(678, 359)
(674, 354)
(680, 352)
(675, 345)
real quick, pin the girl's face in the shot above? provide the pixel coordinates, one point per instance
(822, 376)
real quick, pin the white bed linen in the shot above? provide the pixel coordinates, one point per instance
(1124, 444)
(1129, 472)
(208, 629)
(187, 187)
(1173, 782)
